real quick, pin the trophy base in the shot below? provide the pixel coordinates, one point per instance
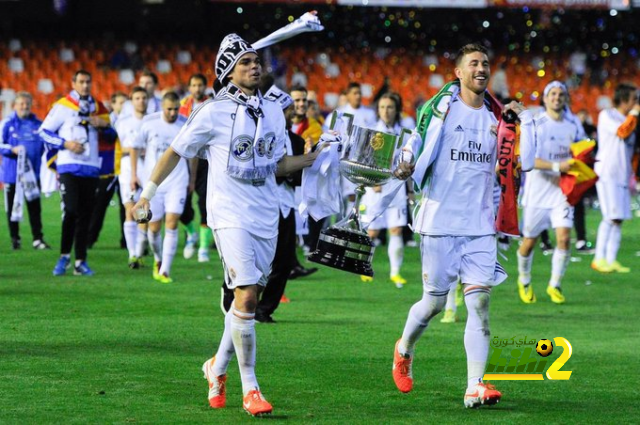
(344, 249)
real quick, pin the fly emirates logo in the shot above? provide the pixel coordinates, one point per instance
(471, 155)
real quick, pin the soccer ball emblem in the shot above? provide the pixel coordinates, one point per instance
(544, 347)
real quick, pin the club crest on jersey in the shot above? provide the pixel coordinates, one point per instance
(266, 146)
(242, 148)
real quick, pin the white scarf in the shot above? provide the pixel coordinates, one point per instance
(26, 186)
(308, 22)
(252, 146)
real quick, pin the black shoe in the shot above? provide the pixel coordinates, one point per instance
(16, 244)
(546, 248)
(299, 271)
(585, 248)
(263, 318)
(40, 244)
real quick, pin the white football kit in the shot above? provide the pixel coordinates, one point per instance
(244, 216)
(613, 166)
(396, 213)
(456, 215)
(128, 129)
(155, 137)
(544, 203)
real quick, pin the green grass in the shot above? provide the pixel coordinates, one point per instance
(120, 348)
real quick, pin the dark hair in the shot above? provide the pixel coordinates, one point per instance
(198, 76)
(352, 85)
(171, 96)
(395, 97)
(81, 72)
(153, 76)
(298, 87)
(469, 48)
(623, 92)
(117, 95)
(137, 89)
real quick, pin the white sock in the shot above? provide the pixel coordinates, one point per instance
(225, 349)
(419, 316)
(155, 241)
(615, 235)
(602, 240)
(130, 235)
(524, 268)
(476, 335)
(559, 264)
(243, 334)
(168, 250)
(396, 253)
(451, 300)
(141, 241)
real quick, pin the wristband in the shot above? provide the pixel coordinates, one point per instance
(555, 167)
(149, 191)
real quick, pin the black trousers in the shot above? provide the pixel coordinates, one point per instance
(311, 239)
(283, 262)
(78, 195)
(103, 196)
(35, 214)
(579, 222)
(201, 190)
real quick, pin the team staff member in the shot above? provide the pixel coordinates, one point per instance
(73, 126)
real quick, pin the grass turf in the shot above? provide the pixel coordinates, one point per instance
(121, 348)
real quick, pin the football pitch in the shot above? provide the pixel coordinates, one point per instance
(120, 347)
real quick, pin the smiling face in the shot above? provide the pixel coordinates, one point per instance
(247, 73)
(300, 102)
(555, 100)
(22, 106)
(473, 72)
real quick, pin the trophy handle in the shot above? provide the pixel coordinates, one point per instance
(401, 139)
(334, 120)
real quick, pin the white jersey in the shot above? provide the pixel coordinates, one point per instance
(128, 129)
(613, 160)
(232, 202)
(458, 200)
(362, 117)
(554, 139)
(155, 137)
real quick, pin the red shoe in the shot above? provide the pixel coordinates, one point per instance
(284, 299)
(402, 375)
(217, 385)
(255, 404)
(485, 393)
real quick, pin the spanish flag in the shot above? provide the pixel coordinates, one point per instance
(580, 176)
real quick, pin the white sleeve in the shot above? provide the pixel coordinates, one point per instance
(527, 140)
(54, 119)
(195, 134)
(281, 139)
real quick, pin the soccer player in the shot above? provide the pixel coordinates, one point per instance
(73, 126)
(242, 202)
(543, 201)
(155, 136)
(131, 168)
(456, 217)
(394, 217)
(198, 182)
(148, 81)
(616, 138)
(18, 134)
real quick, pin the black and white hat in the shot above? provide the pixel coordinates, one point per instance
(232, 48)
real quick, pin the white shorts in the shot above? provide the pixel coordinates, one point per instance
(538, 219)
(246, 258)
(615, 200)
(168, 200)
(472, 259)
(394, 216)
(124, 179)
(390, 218)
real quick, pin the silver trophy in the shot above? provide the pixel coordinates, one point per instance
(369, 159)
